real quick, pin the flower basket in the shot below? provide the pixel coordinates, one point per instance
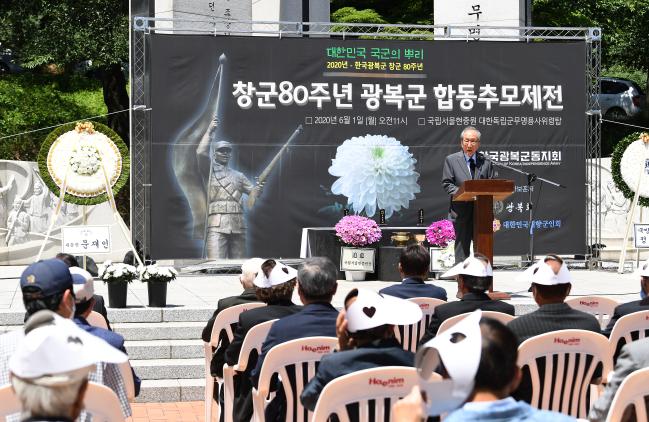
(441, 236)
(157, 279)
(440, 233)
(355, 231)
(117, 276)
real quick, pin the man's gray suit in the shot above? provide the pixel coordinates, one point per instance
(634, 356)
(454, 174)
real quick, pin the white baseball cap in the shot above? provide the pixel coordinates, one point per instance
(278, 275)
(471, 266)
(459, 349)
(371, 309)
(643, 269)
(55, 351)
(542, 273)
(82, 283)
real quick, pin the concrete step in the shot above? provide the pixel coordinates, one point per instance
(159, 330)
(171, 390)
(160, 314)
(159, 369)
(164, 349)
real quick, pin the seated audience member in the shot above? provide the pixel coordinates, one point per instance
(551, 283)
(99, 305)
(49, 369)
(274, 286)
(316, 285)
(634, 356)
(365, 331)
(249, 271)
(474, 277)
(477, 358)
(636, 305)
(84, 289)
(47, 285)
(414, 264)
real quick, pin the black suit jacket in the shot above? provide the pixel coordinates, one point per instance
(626, 309)
(552, 317)
(414, 287)
(386, 352)
(455, 173)
(469, 303)
(315, 319)
(243, 383)
(247, 296)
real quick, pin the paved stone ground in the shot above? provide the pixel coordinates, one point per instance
(168, 412)
(204, 291)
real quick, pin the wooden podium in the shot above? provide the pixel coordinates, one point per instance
(483, 192)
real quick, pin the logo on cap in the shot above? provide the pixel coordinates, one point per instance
(74, 339)
(31, 279)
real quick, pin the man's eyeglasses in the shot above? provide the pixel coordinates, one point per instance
(470, 141)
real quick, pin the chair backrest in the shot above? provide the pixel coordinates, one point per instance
(567, 359)
(599, 306)
(409, 335)
(9, 403)
(632, 392)
(99, 400)
(127, 376)
(222, 323)
(629, 328)
(97, 320)
(381, 387)
(499, 316)
(228, 317)
(253, 341)
(301, 357)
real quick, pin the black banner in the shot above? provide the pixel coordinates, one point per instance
(362, 125)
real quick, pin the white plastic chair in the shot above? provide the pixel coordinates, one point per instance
(97, 320)
(127, 376)
(632, 392)
(414, 332)
(387, 383)
(223, 322)
(297, 353)
(599, 306)
(253, 341)
(571, 349)
(499, 316)
(99, 400)
(625, 328)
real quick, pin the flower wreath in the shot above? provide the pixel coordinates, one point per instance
(84, 160)
(616, 160)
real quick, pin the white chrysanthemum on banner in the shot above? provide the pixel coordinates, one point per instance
(374, 172)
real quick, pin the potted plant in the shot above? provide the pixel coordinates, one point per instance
(441, 236)
(117, 276)
(157, 279)
(355, 231)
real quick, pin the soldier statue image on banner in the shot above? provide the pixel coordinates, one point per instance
(226, 225)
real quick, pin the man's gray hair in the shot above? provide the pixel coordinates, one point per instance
(46, 402)
(317, 277)
(470, 128)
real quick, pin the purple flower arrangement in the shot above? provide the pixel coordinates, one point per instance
(355, 230)
(440, 233)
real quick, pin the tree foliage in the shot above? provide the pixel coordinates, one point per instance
(67, 32)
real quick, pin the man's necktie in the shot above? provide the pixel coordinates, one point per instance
(472, 167)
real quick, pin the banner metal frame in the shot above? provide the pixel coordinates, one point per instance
(143, 26)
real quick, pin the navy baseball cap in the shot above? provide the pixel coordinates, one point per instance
(46, 278)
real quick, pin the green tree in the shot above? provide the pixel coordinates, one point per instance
(392, 11)
(67, 32)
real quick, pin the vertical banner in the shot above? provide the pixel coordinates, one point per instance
(254, 138)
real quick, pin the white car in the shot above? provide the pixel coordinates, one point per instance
(620, 98)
